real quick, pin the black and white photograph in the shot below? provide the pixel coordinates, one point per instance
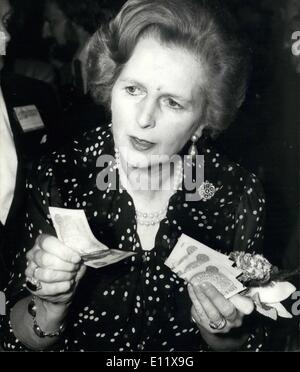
(149, 178)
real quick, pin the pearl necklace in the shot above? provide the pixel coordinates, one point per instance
(154, 218)
(151, 219)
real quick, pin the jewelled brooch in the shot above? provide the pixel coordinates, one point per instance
(206, 191)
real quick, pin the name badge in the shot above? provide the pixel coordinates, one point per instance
(29, 118)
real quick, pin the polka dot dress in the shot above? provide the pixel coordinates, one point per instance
(138, 303)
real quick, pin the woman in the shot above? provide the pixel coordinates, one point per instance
(168, 71)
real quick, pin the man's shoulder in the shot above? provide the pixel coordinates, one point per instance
(22, 88)
(9, 79)
(20, 92)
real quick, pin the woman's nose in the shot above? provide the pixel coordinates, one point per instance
(146, 113)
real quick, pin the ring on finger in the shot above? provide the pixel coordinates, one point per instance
(33, 284)
(218, 325)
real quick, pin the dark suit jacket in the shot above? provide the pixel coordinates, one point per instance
(22, 91)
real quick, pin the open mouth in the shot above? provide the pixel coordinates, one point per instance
(141, 145)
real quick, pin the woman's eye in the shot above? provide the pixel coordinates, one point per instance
(133, 91)
(173, 104)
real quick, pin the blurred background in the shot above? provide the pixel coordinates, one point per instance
(265, 136)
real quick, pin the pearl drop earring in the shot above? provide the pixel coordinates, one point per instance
(193, 149)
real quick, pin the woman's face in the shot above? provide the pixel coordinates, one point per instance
(59, 28)
(54, 23)
(156, 102)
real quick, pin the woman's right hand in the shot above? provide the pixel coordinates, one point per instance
(57, 267)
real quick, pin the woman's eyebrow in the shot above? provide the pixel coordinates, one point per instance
(178, 97)
(170, 94)
(131, 81)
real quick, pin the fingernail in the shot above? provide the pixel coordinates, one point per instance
(204, 286)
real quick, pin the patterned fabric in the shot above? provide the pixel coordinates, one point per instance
(137, 304)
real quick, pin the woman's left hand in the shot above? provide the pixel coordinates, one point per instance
(213, 312)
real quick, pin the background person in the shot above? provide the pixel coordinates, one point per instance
(68, 25)
(18, 148)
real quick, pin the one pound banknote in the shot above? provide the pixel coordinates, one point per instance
(196, 263)
(72, 229)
